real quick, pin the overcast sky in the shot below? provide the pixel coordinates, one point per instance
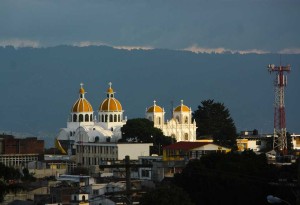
(200, 25)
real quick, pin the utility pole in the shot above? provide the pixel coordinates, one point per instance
(280, 82)
(127, 167)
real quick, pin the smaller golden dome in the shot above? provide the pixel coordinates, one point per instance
(110, 90)
(154, 108)
(182, 108)
(81, 91)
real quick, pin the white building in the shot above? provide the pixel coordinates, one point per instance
(181, 127)
(83, 126)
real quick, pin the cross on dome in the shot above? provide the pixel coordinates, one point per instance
(109, 84)
(181, 102)
(154, 102)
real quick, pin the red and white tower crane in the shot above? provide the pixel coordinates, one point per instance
(280, 82)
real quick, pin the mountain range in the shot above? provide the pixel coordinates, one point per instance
(39, 86)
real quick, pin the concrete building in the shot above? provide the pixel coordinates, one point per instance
(18, 152)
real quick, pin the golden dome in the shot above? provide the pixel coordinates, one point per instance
(82, 105)
(110, 90)
(182, 108)
(111, 105)
(154, 108)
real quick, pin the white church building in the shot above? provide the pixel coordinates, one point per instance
(180, 126)
(84, 127)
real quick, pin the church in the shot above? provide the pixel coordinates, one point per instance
(180, 126)
(85, 127)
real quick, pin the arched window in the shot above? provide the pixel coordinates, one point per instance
(119, 118)
(83, 198)
(186, 120)
(177, 118)
(80, 118)
(159, 120)
(106, 116)
(97, 139)
(110, 118)
(86, 118)
(75, 198)
(91, 117)
(186, 136)
(74, 118)
(115, 118)
(102, 118)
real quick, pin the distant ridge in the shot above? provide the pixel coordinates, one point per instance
(38, 86)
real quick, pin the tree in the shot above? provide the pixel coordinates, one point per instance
(213, 119)
(234, 178)
(166, 195)
(143, 130)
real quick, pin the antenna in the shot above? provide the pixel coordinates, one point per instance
(280, 82)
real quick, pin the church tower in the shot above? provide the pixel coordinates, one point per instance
(156, 114)
(110, 113)
(81, 112)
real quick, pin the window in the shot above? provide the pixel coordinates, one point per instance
(186, 120)
(115, 118)
(119, 118)
(74, 118)
(110, 118)
(86, 118)
(80, 118)
(106, 116)
(91, 117)
(186, 136)
(145, 173)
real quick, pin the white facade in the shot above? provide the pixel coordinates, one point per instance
(180, 126)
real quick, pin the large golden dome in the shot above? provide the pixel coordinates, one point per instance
(154, 108)
(182, 108)
(110, 104)
(82, 105)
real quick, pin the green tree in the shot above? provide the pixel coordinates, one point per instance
(166, 195)
(234, 178)
(213, 119)
(143, 130)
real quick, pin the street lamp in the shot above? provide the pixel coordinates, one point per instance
(275, 200)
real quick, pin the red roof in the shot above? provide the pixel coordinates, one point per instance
(186, 145)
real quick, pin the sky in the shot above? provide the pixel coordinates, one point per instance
(245, 26)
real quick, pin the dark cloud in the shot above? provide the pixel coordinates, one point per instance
(231, 24)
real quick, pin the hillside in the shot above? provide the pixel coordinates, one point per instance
(39, 85)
